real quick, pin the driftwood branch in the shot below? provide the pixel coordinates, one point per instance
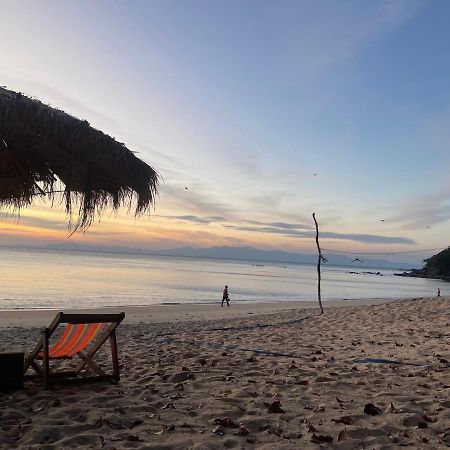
(319, 261)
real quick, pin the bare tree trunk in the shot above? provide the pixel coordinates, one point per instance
(319, 261)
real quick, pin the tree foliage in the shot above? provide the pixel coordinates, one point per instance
(439, 264)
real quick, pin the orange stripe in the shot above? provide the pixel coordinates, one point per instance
(90, 333)
(73, 340)
(62, 340)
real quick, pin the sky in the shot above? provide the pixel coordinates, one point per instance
(266, 111)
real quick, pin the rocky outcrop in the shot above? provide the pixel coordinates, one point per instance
(423, 273)
(438, 267)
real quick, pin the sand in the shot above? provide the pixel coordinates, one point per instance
(254, 376)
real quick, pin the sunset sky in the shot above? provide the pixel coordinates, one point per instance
(266, 111)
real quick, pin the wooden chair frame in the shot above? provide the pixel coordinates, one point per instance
(113, 321)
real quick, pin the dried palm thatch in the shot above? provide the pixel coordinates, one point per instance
(41, 146)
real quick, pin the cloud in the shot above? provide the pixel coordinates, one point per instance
(436, 134)
(275, 227)
(13, 230)
(309, 234)
(298, 230)
(246, 161)
(281, 225)
(394, 13)
(165, 163)
(425, 210)
(369, 238)
(60, 100)
(339, 32)
(195, 219)
(194, 199)
(217, 219)
(277, 204)
(39, 222)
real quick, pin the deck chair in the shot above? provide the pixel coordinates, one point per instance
(83, 336)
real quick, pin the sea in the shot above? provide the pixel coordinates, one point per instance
(57, 279)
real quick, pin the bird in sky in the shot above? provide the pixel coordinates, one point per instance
(357, 260)
(186, 188)
(428, 228)
(382, 220)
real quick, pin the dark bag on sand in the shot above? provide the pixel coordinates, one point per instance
(11, 371)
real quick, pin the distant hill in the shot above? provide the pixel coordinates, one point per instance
(437, 266)
(250, 254)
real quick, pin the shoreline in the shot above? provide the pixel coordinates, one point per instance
(162, 313)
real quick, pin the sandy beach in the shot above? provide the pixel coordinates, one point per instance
(273, 376)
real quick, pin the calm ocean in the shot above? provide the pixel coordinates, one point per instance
(42, 279)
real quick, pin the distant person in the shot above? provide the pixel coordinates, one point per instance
(225, 296)
(439, 292)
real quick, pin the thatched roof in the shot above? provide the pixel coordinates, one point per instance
(42, 146)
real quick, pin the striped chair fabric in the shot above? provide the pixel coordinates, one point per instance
(74, 339)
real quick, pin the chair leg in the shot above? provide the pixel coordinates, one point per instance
(91, 364)
(32, 355)
(37, 368)
(97, 345)
(45, 359)
(114, 355)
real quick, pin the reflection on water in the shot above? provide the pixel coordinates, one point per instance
(63, 279)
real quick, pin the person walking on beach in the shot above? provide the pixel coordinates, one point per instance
(439, 292)
(225, 296)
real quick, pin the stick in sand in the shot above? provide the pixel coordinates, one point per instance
(319, 261)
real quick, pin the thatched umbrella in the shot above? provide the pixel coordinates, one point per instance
(42, 146)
